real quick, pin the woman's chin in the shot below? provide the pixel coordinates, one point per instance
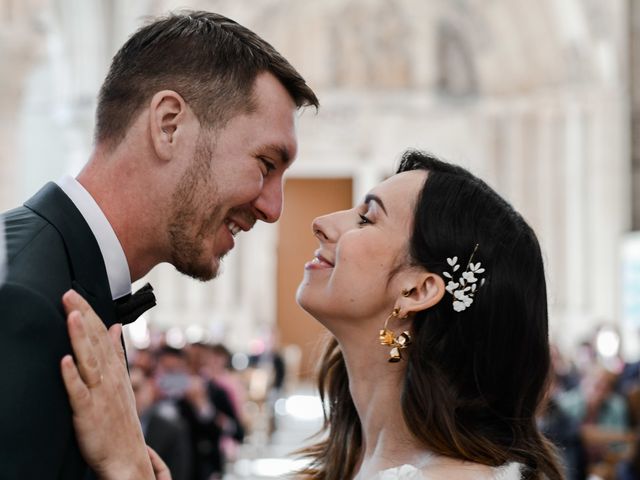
(309, 304)
(306, 304)
(304, 297)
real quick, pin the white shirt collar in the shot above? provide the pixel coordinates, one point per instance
(114, 258)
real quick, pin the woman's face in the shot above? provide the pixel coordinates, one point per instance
(352, 274)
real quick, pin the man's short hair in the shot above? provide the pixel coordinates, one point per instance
(210, 60)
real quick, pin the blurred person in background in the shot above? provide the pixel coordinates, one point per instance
(602, 416)
(585, 358)
(566, 375)
(144, 359)
(195, 127)
(163, 428)
(441, 355)
(216, 369)
(629, 468)
(629, 378)
(563, 430)
(269, 369)
(205, 408)
(185, 393)
(628, 385)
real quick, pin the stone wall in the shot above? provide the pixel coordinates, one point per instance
(532, 96)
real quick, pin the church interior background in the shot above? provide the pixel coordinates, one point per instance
(541, 99)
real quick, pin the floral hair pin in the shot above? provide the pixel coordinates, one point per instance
(464, 288)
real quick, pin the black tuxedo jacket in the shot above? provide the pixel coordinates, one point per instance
(169, 437)
(50, 249)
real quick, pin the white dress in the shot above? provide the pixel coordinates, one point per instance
(510, 471)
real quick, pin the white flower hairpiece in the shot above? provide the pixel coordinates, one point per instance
(464, 288)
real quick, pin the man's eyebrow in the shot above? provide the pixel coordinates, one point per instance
(281, 152)
(371, 197)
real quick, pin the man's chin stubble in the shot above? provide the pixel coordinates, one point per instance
(199, 271)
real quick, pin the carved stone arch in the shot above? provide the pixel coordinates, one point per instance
(371, 45)
(457, 75)
(391, 65)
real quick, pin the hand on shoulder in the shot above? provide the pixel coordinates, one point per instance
(103, 404)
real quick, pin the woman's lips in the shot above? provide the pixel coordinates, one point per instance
(318, 263)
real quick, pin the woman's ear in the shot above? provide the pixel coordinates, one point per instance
(167, 110)
(425, 291)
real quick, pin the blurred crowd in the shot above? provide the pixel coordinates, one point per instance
(196, 409)
(593, 410)
(198, 404)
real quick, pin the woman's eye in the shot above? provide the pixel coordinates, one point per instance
(363, 220)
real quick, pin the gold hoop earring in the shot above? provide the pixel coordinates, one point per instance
(389, 339)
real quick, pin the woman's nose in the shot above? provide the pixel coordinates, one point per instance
(318, 227)
(328, 228)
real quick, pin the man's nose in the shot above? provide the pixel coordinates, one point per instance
(269, 204)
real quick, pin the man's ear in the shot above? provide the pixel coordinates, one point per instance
(424, 291)
(167, 111)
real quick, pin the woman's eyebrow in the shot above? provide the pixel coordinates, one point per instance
(371, 197)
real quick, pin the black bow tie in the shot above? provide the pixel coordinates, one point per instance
(130, 307)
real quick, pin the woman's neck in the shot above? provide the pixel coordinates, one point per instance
(376, 387)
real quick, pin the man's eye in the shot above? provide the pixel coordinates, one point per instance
(268, 165)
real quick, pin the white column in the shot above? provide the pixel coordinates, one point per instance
(574, 204)
(365, 177)
(548, 196)
(512, 156)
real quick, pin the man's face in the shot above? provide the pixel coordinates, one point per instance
(234, 179)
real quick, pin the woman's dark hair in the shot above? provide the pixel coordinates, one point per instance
(207, 58)
(476, 378)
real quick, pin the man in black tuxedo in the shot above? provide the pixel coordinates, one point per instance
(195, 127)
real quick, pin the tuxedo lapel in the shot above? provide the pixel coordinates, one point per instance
(85, 259)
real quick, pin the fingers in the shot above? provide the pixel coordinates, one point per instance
(85, 351)
(115, 332)
(96, 349)
(72, 300)
(160, 469)
(79, 396)
(93, 326)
